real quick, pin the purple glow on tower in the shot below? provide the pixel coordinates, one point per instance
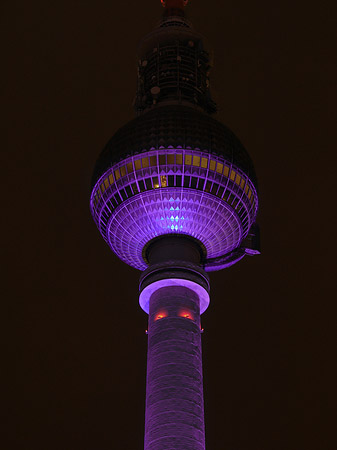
(173, 191)
(174, 417)
(174, 194)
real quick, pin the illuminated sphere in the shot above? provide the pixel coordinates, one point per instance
(174, 170)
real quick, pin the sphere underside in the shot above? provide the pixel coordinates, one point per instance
(173, 210)
(180, 191)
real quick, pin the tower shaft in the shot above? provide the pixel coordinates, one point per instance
(174, 292)
(174, 417)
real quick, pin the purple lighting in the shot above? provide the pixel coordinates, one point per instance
(174, 194)
(173, 191)
(174, 417)
(146, 293)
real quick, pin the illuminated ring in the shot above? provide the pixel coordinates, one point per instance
(145, 295)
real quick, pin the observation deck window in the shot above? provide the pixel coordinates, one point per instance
(129, 167)
(155, 182)
(153, 161)
(145, 162)
(106, 183)
(148, 183)
(232, 176)
(117, 174)
(194, 182)
(179, 158)
(170, 159)
(226, 171)
(219, 167)
(163, 181)
(196, 160)
(212, 164)
(123, 171)
(128, 191)
(138, 164)
(204, 163)
(188, 159)
(141, 185)
(111, 178)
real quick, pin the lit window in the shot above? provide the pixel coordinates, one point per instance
(123, 171)
(153, 161)
(170, 159)
(106, 183)
(162, 160)
(246, 189)
(226, 171)
(233, 173)
(102, 187)
(145, 162)
(196, 161)
(129, 167)
(163, 181)
(179, 159)
(188, 159)
(238, 179)
(219, 167)
(212, 164)
(204, 163)
(242, 183)
(111, 178)
(137, 164)
(117, 174)
(155, 182)
(249, 193)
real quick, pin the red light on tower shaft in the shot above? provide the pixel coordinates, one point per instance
(160, 315)
(186, 314)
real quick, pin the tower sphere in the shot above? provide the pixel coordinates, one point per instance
(174, 169)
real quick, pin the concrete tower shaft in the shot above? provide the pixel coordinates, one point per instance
(174, 417)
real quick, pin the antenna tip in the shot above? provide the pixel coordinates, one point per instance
(177, 4)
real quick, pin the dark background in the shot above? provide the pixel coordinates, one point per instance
(74, 333)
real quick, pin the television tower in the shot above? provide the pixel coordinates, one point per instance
(174, 194)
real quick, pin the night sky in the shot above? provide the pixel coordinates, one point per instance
(74, 333)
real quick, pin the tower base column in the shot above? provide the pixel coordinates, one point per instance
(174, 417)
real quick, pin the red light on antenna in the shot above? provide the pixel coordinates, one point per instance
(174, 3)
